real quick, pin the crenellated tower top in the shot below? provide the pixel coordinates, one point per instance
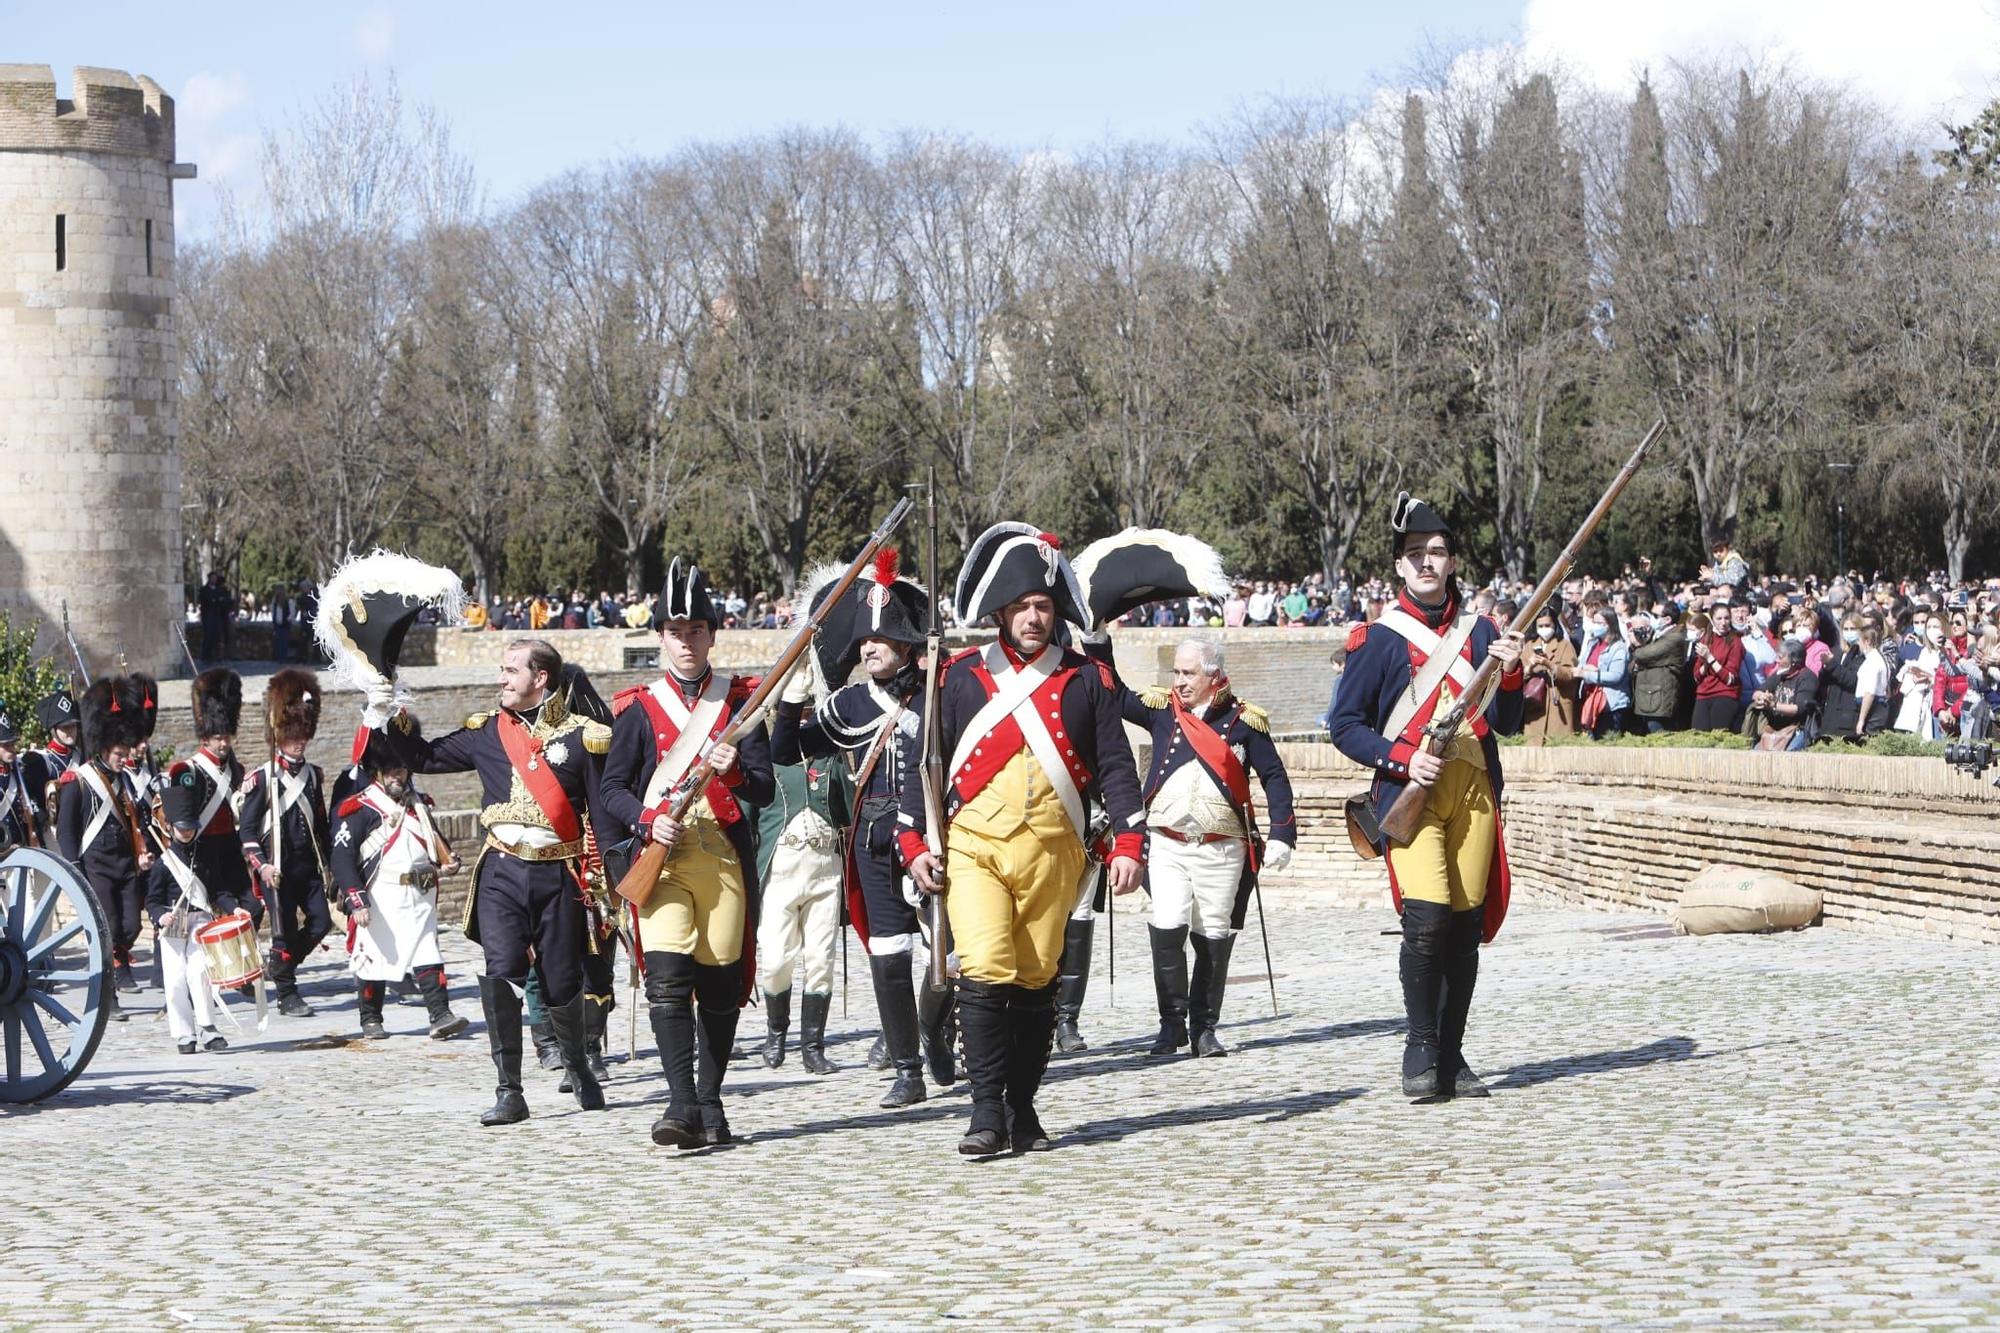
(111, 113)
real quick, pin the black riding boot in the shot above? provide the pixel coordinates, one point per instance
(596, 1016)
(1073, 978)
(444, 1023)
(721, 992)
(812, 1033)
(368, 999)
(568, 1021)
(983, 1025)
(670, 1005)
(502, 1004)
(897, 1002)
(777, 1018)
(935, 1014)
(1211, 974)
(1426, 927)
(1031, 1023)
(1461, 975)
(1170, 985)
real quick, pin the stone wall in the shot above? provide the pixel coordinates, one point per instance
(1904, 846)
(88, 364)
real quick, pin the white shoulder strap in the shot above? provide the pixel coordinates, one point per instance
(1443, 656)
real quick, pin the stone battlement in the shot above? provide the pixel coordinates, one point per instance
(112, 113)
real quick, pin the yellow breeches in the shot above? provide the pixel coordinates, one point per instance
(1451, 856)
(1009, 898)
(699, 904)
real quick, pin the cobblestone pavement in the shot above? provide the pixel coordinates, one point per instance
(1790, 1131)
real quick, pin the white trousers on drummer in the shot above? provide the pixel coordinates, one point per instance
(798, 920)
(184, 972)
(1193, 884)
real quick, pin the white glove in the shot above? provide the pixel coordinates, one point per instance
(1095, 636)
(381, 705)
(798, 686)
(1277, 855)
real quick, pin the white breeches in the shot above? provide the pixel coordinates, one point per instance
(184, 972)
(798, 919)
(1194, 884)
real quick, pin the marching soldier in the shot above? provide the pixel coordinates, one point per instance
(876, 724)
(43, 766)
(1034, 730)
(97, 828)
(286, 839)
(537, 764)
(1451, 880)
(19, 826)
(1204, 847)
(386, 861)
(180, 902)
(799, 871)
(217, 774)
(695, 930)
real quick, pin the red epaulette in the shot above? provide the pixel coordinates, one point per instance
(742, 687)
(178, 767)
(1357, 636)
(349, 806)
(428, 799)
(68, 775)
(249, 783)
(625, 698)
(1104, 670)
(962, 654)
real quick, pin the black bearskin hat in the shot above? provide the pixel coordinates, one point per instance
(685, 596)
(218, 702)
(1009, 561)
(147, 690)
(291, 706)
(113, 715)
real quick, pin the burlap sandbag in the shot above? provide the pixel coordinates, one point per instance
(1736, 899)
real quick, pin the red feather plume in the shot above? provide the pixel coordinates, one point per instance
(887, 565)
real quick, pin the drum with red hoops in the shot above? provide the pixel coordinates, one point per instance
(229, 944)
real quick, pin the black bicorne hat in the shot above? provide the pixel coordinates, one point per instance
(388, 746)
(580, 697)
(1409, 514)
(685, 596)
(1141, 565)
(1010, 561)
(218, 702)
(888, 604)
(56, 710)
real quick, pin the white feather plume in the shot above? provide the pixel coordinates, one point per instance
(439, 588)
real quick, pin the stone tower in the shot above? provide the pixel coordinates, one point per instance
(89, 465)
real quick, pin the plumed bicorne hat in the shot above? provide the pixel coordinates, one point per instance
(1141, 565)
(1009, 561)
(365, 613)
(291, 706)
(685, 596)
(881, 603)
(55, 710)
(113, 713)
(1409, 514)
(579, 697)
(218, 702)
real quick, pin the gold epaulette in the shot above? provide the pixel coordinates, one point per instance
(1256, 718)
(477, 720)
(1153, 696)
(596, 738)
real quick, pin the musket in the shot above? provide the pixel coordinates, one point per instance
(75, 651)
(931, 765)
(637, 884)
(180, 632)
(1400, 824)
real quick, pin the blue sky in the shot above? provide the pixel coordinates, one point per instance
(533, 89)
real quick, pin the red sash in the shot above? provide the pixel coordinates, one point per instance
(524, 752)
(1212, 750)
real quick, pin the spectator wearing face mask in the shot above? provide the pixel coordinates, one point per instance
(1659, 670)
(1717, 668)
(1852, 686)
(1548, 699)
(1605, 670)
(1917, 675)
(1760, 650)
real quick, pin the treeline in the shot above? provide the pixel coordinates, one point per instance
(745, 350)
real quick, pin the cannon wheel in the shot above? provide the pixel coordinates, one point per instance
(55, 974)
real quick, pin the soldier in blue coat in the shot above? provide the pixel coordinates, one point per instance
(1451, 880)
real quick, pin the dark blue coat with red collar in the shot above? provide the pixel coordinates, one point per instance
(1092, 732)
(1378, 674)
